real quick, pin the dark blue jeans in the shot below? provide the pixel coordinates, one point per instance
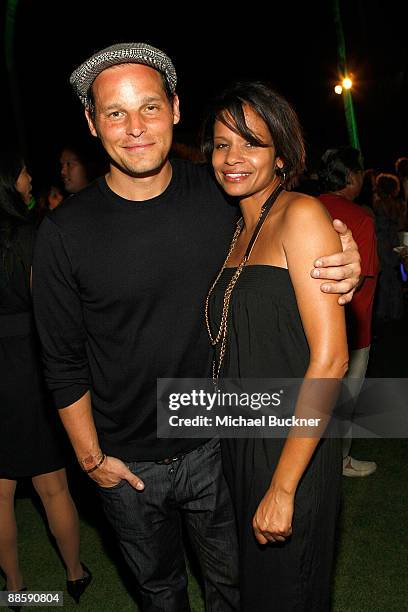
(148, 526)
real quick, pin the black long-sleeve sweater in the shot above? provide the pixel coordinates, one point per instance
(118, 290)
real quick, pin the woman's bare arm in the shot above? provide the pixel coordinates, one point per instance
(307, 231)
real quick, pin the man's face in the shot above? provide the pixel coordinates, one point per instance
(133, 118)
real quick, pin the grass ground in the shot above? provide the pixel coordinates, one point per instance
(372, 559)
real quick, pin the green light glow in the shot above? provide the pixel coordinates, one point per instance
(9, 32)
(342, 68)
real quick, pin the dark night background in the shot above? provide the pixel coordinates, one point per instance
(292, 45)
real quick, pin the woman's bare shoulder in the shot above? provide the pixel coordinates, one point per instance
(304, 207)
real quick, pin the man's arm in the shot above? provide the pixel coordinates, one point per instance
(80, 427)
(59, 319)
(342, 269)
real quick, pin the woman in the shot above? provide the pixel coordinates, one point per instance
(28, 446)
(267, 318)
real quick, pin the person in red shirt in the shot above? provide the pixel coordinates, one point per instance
(341, 177)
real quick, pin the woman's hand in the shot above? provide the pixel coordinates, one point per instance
(272, 521)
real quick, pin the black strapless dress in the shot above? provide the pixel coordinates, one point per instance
(266, 340)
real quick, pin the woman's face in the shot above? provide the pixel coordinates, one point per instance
(73, 172)
(243, 169)
(23, 185)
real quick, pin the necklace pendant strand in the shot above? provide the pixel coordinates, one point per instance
(221, 335)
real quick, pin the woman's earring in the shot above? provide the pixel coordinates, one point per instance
(281, 173)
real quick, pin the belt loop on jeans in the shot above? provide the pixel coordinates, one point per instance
(179, 457)
(169, 460)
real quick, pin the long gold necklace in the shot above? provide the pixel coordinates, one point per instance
(221, 335)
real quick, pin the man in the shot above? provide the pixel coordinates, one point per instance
(121, 272)
(341, 176)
